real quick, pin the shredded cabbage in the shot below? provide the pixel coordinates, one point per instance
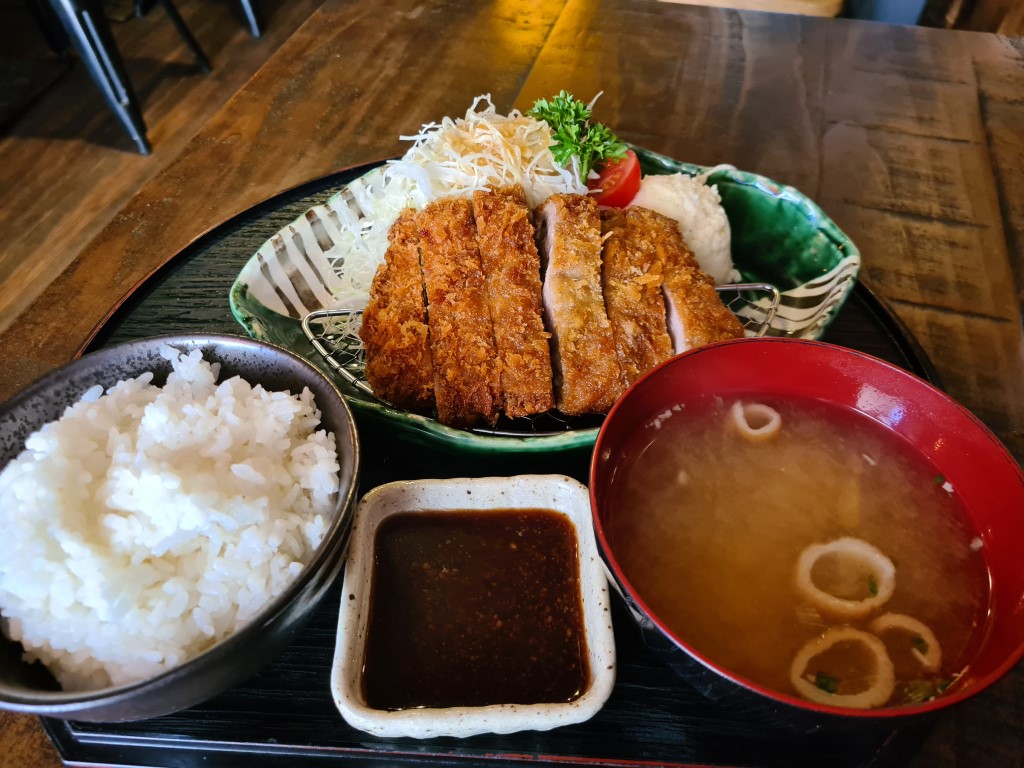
(484, 150)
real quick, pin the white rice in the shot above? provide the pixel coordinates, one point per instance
(148, 523)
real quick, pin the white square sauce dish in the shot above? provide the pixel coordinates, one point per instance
(473, 606)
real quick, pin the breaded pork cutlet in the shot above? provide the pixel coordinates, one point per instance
(511, 268)
(631, 278)
(466, 383)
(394, 327)
(696, 314)
(587, 377)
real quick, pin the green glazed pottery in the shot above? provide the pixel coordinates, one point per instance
(779, 236)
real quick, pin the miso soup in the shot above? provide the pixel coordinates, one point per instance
(806, 550)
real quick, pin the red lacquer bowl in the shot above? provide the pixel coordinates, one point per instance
(985, 476)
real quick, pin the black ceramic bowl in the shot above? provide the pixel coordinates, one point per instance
(987, 480)
(30, 688)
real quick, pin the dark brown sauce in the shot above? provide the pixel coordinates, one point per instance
(474, 608)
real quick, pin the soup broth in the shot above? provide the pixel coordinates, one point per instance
(709, 525)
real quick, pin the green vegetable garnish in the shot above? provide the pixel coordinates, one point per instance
(872, 586)
(920, 643)
(827, 683)
(574, 134)
(938, 480)
(920, 691)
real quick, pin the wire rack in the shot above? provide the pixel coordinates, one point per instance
(755, 304)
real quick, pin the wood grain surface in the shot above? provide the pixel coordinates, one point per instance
(347, 84)
(66, 168)
(910, 138)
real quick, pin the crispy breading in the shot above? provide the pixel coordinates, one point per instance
(631, 278)
(466, 381)
(511, 268)
(696, 314)
(394, 324)
(587, 374)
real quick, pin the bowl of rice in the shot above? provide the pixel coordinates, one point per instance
(172, 508)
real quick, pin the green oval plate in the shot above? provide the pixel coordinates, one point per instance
(779, 236)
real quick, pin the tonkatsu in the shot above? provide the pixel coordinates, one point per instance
(511, 268)
(466, 380)
(587, 377)
(394, 328)
(632, 281)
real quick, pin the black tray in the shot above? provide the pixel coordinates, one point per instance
(285, 716)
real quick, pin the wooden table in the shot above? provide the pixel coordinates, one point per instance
(911, 139)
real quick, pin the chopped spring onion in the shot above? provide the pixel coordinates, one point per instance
(827, 683)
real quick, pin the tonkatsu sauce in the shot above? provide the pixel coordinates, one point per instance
(474, 608)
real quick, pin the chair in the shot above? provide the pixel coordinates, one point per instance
(1004, 17)
(251, 18)
(248, 10)
(89, 34)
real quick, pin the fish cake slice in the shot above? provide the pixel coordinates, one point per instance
(631, 277)
(466, 383)
(587, 377)
(394, 324)
(511, 269)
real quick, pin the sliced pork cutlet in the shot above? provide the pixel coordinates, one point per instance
(394, 327)
(587, 377)
(511, 268)
(696, 313)
(631, 277)
(466, 385)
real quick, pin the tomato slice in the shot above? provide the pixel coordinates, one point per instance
(618, 181)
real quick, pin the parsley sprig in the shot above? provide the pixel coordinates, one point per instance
(575, 135)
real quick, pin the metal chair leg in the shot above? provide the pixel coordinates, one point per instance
(172, 13)
(248, 10)
(251, 18)
(90, 35)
